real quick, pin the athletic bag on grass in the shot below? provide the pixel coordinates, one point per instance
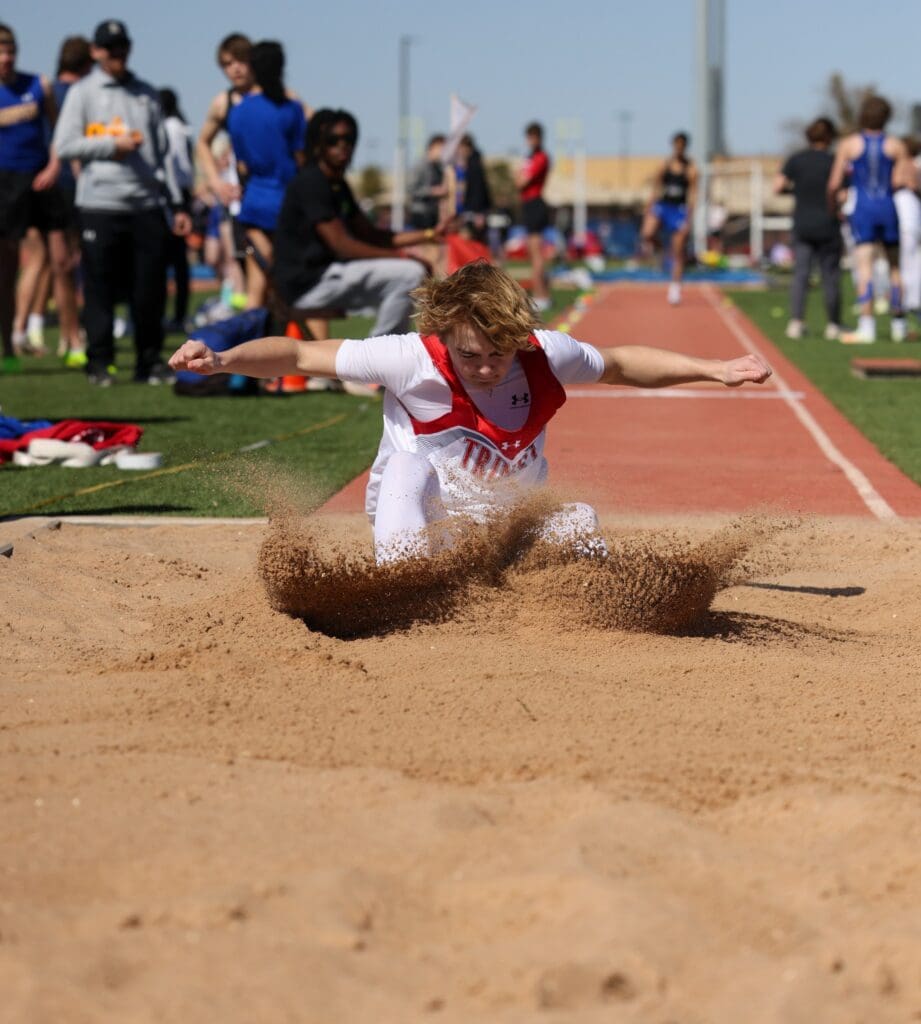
(220, 337)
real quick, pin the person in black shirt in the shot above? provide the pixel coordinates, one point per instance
(816, 230)
(477, 197)
(327, 252)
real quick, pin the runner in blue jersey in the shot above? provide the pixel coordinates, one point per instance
(671, 209)
(877, 163)
(28, 172)
(267, 129)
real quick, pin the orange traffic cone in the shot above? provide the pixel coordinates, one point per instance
(294, 382)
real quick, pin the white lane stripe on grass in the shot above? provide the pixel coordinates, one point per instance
(793, 396)
(868, 494)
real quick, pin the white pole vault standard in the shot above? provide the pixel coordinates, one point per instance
(867, 493)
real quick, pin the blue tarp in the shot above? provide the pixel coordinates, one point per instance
(716, 275)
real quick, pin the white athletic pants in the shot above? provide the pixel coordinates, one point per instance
(908, 207)
(409, 502)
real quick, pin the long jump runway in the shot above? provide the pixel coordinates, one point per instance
(705, 448)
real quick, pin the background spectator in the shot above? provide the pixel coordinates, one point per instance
(112, 124)
(816, 229)
(267, 131)
(28, 172)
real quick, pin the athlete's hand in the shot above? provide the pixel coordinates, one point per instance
(197, 357)
(752, 369)
(227, 192)
(448, 224)
(46, 177)
(182, 224)
(127, 144)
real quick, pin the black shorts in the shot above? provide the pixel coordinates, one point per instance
(535, 214)
(21, 207)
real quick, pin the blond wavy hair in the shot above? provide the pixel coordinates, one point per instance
(483, 296)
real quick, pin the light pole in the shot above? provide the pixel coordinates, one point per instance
(711, 37)
(398, 211)
(625, 117)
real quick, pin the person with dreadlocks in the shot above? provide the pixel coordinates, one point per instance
(327, 252)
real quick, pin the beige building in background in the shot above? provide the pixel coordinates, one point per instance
(628, 182)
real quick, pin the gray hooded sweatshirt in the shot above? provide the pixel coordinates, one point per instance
(95, 110)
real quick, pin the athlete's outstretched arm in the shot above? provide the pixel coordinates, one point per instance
(265, 357)
(843, 156)
(645, 367)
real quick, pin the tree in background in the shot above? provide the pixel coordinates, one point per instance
(370, 182)
(841, 103)
(501, 184)
(846, 100)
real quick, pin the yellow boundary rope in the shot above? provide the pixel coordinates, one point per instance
(220, 456)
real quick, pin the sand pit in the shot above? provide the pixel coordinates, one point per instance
(518, 811)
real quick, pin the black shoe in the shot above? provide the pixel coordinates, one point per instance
(100, 378)
(157, 374)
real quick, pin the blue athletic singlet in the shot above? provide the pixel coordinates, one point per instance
(265, 137)
(24, 145)
(872, 171)
(874, 218)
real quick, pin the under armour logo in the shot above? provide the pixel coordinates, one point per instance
(521, 399)
(508, 444)
(89, 235)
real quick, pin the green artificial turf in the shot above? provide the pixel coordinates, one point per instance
(886, 411)
(205, 432)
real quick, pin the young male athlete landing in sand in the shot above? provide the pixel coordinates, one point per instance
(467, 402)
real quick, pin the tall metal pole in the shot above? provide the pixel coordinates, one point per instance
(702, 126)
(401, 167)
(625, 117)
(580, 193)
(717, 62)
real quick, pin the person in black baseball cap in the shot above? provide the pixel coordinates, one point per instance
(127, 194)
(111, 35)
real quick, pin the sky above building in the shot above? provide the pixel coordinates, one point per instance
(618, 74)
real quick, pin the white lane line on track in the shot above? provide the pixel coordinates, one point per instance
(793, 396)
(868, 494)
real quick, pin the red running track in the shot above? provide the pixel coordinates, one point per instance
(705, 448)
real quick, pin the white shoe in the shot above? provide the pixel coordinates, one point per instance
(323, 384)
(898, 328)
(36, 336)
(351, 387)
(674, 293)
(832, 332)
(857, 337)
(794, 330)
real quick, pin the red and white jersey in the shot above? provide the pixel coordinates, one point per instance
(535, 170)
(484, 444)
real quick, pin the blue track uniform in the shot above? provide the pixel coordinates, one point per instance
(874, 218)
(24, 144)
(265, 137)
(672, 207)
